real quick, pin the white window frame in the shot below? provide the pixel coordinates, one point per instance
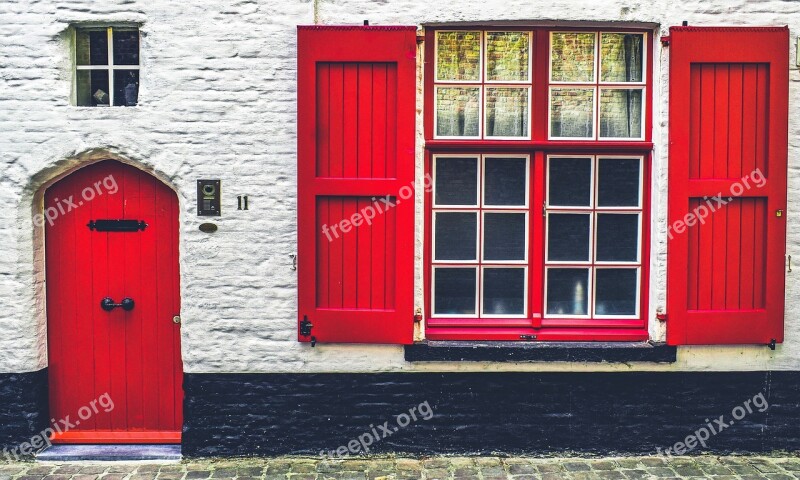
(593, 210)
(597, 85)
(111, 67)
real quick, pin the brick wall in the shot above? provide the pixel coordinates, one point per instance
(218, 100)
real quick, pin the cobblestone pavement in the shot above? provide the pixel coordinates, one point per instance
(440, 467)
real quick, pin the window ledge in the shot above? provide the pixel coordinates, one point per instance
(475, 351)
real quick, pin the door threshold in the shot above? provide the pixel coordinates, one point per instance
(109, 453)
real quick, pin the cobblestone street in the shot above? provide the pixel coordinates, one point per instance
(390, 468)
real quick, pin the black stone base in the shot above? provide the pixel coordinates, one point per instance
(23, 407)
(604, 413)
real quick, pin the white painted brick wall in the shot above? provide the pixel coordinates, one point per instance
(217, 100)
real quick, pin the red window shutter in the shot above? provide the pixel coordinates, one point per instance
(356, 126)
(728, 122)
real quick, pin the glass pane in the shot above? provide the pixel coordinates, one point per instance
(126, 47)
(617, 237)
(506, 112)
(572, 57)
(504, 291)
(455, 235)
(505, 181)
(91, 47)
(457, 111)
(456, 181)
(568, 237)
(92, 88)
(567, 291)
(621, 113)
(615, 291)
(618, 182)
(454, 291)
(572, 112)
(504, 236)
(507, 55)
(621, 57)
(458, 55)
(569, 182)
(126, 87)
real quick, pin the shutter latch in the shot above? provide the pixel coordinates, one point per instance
(305, 330)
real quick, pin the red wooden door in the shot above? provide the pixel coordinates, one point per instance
(116, 375)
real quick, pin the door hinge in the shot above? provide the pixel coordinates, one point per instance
(305, 330)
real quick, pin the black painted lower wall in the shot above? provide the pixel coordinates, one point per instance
(23, 407)
(246, 414)
(250, 414)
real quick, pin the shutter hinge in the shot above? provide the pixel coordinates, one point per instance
(665, 40)
(305, 330)
(771, 344)
(420, 39)
(418, 315)
(661, 317)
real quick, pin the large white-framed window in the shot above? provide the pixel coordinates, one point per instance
(597, 85)
(594, 232)
(483, 84)
(481, 235)
(107, 66)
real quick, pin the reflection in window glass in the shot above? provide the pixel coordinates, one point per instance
(91, 47)
(568, 237)
(455, 235)
(457, 111)
(617, 237)
(456, 181)
(567, 291)
(615, 291)
(92, 88)
(454, 291)
(504, 291)
(621, 57)
(618, 182)
(506, 112)
(507, 56)
(621, 113)
(572, 57)
(505, 181)
(458, 55)
(569, 182)
(572, 112)
(126, 47)
(126, 88)
(503, 236)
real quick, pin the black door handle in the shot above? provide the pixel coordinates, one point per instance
(108, 304)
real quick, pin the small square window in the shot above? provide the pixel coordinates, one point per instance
(106, 67)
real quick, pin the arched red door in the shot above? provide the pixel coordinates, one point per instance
(115, 370)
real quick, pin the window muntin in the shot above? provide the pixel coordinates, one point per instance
(582, 106)
(483, 84)
(489, 244)
(593, 234)
(106, 66)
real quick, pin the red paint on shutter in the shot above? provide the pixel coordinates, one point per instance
(356, 126)
(728, 122)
